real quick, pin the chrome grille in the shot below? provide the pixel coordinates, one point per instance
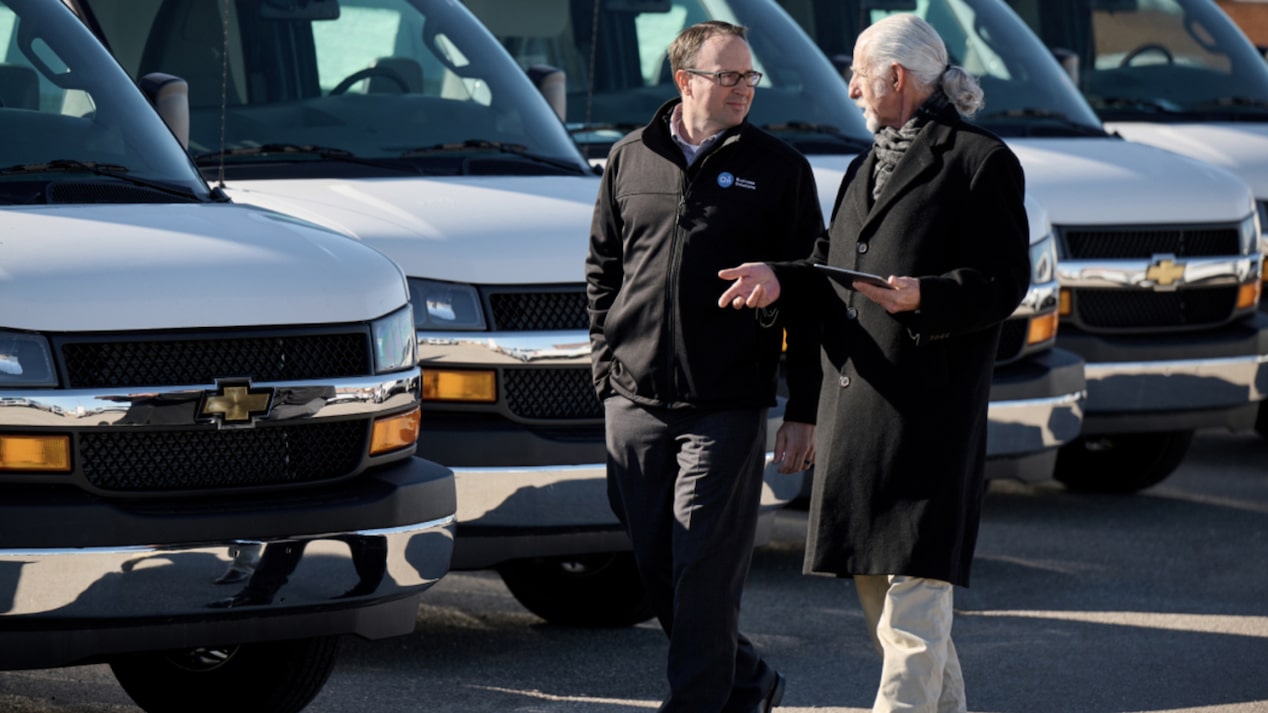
(201, 359)
(1094, 244)
(552, 394)
(171, 462)
(539, 310)
(1120, 309)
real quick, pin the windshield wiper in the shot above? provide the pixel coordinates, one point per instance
(1138, 102)
(325, 153)
(806, 127)
(1228, 102)
(498, 146)
(109, 170)
(1045, 114)
(623, 127)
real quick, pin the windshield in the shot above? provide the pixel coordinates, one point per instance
(617, 83)
(1026, 92)
(1156, 59)
(341, 87)
(75, 128)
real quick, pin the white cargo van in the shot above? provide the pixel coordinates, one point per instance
(403, 124)
(1159, 256)
(617, 82)
(183, 378)
(1171, 73)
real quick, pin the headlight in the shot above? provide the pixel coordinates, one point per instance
(394, 345)
(1248, 233)
(445, 306)
(1043, 261)
(1262, 210)
(25, 360)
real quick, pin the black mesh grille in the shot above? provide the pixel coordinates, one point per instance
(172, 362)
(180, 461)
(1012, 339)
(1111, 244)
(1118, 309)
(552, 394)
(525, 311)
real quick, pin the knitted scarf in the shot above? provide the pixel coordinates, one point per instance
(891, 144)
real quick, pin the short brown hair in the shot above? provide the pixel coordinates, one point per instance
(686, 46)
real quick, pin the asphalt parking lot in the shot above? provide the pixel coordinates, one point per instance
(1080, 604)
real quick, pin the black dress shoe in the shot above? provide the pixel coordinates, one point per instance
(773, 696)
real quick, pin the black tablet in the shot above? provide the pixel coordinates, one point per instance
(847, 278)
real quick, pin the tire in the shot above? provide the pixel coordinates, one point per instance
(1121, 463)
(273, 677)
(598, 591)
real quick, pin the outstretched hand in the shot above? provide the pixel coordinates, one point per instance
(755, 286)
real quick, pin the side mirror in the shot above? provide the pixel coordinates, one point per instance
(1069, 61)
(170, 97)
(553, 84)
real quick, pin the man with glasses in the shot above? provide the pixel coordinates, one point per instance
(686, 386)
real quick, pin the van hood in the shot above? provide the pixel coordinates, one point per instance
(68, 268)
(478, 229)
(1239, 147)
(1112, 182)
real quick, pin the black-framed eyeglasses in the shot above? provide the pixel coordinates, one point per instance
(729, 79)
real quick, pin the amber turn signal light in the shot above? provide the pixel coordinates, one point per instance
(50, 454)
(459, 385)
(394, 432)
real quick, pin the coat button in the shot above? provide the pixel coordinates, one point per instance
(862, 248)
(845, 381)
(852, 313)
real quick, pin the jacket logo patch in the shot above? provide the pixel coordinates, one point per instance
(725, 179)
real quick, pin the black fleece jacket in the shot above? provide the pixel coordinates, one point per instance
(661, 233)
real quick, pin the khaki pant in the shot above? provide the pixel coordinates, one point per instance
(909, 619)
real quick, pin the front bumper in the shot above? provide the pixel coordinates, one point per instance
(1185, 381)
(1036, 407)
(560, 507)
(83, 578)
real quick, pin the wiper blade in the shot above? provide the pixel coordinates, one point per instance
(488, 145)
(622, 126)
(325, 153)
(1226, 102)
(110, 170)
(1139, 102)
(1045, 114)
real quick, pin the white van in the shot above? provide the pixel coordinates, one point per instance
(1159, 253)
(403, 124)
(208, 411)
(1172, 73)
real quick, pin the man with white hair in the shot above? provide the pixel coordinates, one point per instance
(936, 206)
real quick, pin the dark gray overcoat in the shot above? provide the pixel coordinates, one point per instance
(901, 437)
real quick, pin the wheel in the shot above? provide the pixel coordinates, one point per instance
(273, 677)
(346, 83)
(1121, 463)
(600, 590)
(1145, 49)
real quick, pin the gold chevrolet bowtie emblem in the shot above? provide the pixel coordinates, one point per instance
(237, 403)
(1165, 272)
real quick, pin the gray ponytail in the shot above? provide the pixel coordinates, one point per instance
(908, 40)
